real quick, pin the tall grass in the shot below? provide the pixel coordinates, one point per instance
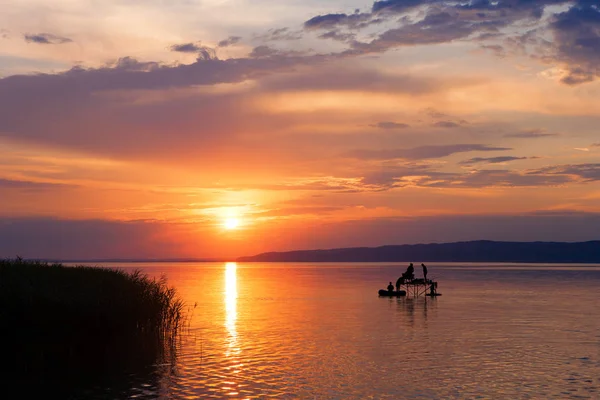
(58, 320)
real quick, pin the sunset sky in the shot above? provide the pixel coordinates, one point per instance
(144, 129)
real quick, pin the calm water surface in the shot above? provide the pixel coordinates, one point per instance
(319, 331)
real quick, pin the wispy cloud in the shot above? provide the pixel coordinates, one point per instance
(446, 124)
(46, 38)
(230, 41)
(187, 47)
(390, 125)
(421, 152)
(491, 160)
(530, 134)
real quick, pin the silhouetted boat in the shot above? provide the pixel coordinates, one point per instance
(393, 293)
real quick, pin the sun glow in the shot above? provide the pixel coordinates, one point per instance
(231, 223)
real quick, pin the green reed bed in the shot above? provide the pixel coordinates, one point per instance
(58, 320)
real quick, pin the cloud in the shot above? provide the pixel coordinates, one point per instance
(422, 152)
(530, 134)
(263, 51)
(328, 184)
(337, 35)
(400, 6)
(230, 41)
(585, 172)
(280, 34)
(186, 48)
(491, 160)
(577, 41)
(331, 21)
(204, 52)
(595, 145)
(390, 125)
(576, 30)
(295, 211)
(446, 124)
(30, 186)
(136, 109)
(424, 176)
(46, 38)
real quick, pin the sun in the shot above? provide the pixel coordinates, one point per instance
(231, 223)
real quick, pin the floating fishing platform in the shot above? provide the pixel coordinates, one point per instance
(413, 288)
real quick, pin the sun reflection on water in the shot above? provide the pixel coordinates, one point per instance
(233, 365)
(231, 295)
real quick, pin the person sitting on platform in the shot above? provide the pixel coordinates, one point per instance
(390, 287)
(409, 275)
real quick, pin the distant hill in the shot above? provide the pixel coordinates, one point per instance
(475, 251)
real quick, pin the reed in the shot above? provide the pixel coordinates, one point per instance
(83, 319)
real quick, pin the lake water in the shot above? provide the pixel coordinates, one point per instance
(320, 331)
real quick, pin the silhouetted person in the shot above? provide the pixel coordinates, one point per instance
(424, 272)
(390, 287)
(399, 282)
(410, 272)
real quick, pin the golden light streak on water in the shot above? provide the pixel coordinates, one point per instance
(233, 350)
(231, 295)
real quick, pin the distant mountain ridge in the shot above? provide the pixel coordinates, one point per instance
(473, 251)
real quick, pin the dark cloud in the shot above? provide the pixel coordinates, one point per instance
(435, 114)
(230, 41)
(577, 41)
(446, 21)
(499, 178)
(331, 21)
(422, 152)
(30, 186)
(424, 176)
(186, 48)
(433, 29)
(584, 172)
(58, 106)
(263, 51)
(338, 35)
(46, 38)
(595, 145)
(400, 6)
(280, 34)
(576, 31)
(390, 125)
(446, 124)
(491, 160)
(203, 52)
(530, 134)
